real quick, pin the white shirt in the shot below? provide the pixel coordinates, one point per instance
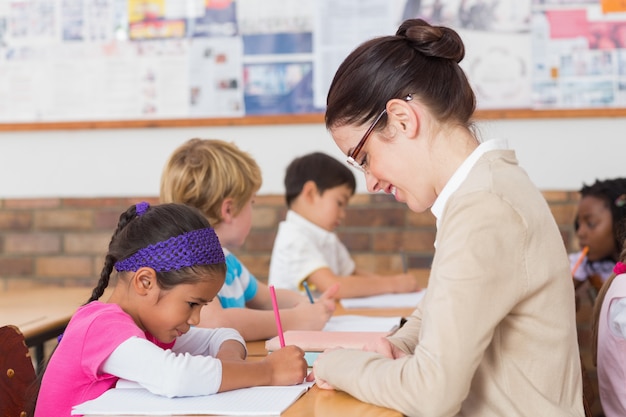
(190, 368)
(300, 248)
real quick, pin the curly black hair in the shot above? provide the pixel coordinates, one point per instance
(613, 192)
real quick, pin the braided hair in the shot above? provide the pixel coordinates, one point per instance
(138, 230)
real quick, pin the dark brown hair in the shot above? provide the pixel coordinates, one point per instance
(421, 60)
(612, 192)
(157, 224)
(324, 170)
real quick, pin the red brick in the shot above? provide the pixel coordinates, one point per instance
(419, 261)
(11, 267)
(114, 202)
(32, 243)
(98, 264)
(35, 203)
(107, 219)
(266, 217)
(258, 265)
(64, 219)
(356, 241)
(555, 196)
(86, 243)
(419, 241)
(276, 200)
(360, 200)
(64, 267)
(260, 241)
(377, 198)
(15, 220)
(424, 219)
(379, 264)
(564, 213)
(375, 217)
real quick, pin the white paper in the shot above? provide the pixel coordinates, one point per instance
(385, 301)
(255, 401)
(357, 323)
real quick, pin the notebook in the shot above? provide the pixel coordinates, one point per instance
(407, 300)
(255, 401)
(314, 342)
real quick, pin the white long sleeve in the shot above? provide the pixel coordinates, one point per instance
(189, 369)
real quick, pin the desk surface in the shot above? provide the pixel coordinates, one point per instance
(37, 310)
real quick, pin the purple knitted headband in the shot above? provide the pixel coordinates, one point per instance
(198, 247)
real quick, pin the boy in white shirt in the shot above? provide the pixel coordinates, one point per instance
(318, 188)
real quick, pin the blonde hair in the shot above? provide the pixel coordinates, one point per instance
(202, 173)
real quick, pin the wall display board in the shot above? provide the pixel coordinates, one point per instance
(139, 63)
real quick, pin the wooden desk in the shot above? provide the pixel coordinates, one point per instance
(324, 403)
(315, 403)
(41, 313)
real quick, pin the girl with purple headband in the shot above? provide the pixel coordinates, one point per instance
(169, 264)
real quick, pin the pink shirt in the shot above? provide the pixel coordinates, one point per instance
(73, 374)
(612, 353)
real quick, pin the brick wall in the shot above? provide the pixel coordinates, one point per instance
(63, 241)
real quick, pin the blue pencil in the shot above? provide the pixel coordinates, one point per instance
(308, 291)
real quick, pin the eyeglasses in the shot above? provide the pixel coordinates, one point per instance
(355, 152)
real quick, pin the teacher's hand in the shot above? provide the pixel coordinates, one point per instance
(384, 347)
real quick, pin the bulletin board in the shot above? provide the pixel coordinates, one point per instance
(68, 64)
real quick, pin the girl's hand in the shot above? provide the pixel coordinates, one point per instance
(287, 366)
(384, 347)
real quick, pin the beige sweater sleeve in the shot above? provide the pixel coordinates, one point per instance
(461, 313)
(496, 327)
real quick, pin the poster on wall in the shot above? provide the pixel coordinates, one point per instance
(579, 50)
(278, 56)
(497, 45)
(92, 60)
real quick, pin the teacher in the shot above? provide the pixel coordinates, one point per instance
(495, 334)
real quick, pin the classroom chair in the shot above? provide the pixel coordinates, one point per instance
(16, 374)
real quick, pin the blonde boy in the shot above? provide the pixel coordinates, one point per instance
(222, 181)
(317, 190)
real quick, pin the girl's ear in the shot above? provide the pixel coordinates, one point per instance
(227, 210)
(144, 281)
(403, 117)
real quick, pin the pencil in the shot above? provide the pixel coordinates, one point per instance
(279, 326)
(308, 291)
(580, 259)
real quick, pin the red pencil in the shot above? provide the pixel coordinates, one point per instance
(279, 326)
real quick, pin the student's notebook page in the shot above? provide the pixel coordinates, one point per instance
(410, 299)
(358, 323)
(255, 401)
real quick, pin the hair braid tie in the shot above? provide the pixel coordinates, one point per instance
(141, 208)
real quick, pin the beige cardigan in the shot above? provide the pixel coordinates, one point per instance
(495, 334)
